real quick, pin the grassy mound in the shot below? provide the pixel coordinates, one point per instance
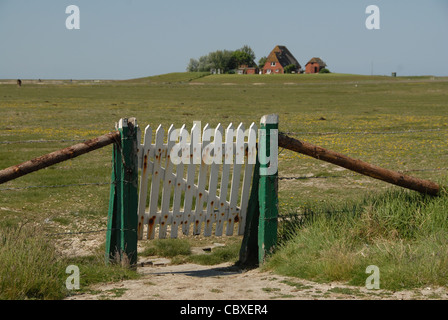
(175, 77)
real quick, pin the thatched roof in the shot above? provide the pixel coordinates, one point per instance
(282, 55)
(318, 61)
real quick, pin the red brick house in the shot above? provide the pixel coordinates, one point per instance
(245, 69)
(278, 59)
(315, 65)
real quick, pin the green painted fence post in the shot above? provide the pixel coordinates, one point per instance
(268, 188)
(121, 237)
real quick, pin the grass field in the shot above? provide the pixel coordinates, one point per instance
(397, 123)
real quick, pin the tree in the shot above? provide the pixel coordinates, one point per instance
(225, 60)
(242, 58)
(262, 62)
(248, 50)
(193, 65)
(221, 59)
(204, 64)
(324, 70)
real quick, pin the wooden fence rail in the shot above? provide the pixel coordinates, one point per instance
(396, 178)
(50, 159)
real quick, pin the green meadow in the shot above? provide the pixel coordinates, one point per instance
(397, 123)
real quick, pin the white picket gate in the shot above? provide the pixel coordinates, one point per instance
(188, 195)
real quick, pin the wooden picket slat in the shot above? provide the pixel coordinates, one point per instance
(250, 160)
(228, 160)
(200, 194)
(177, 197)
(155, 185)
(168, 182)
(239, 156)
(191, 169)
(143, 190)
(213, 181)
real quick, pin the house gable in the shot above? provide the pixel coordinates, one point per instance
(278, 59)
(315, 65)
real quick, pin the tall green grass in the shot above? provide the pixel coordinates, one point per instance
(29, 267)
(404, 233)
(32, 269)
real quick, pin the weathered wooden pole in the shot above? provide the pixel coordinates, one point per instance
(50, 159)
(396, 178)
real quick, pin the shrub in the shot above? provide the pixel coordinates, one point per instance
(167, 248)
(218, 255)
(290, 68)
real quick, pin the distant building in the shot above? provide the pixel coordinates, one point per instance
(215, 71)
(245, 69)
(315, 65)
(279, 58)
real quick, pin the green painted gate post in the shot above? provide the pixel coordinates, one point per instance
(121, 237)
(268, 188)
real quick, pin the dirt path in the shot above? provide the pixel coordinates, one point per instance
(161, 281)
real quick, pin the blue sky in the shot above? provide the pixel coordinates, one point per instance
(126, 39)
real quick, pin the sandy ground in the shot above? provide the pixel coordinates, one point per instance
(162, 281)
